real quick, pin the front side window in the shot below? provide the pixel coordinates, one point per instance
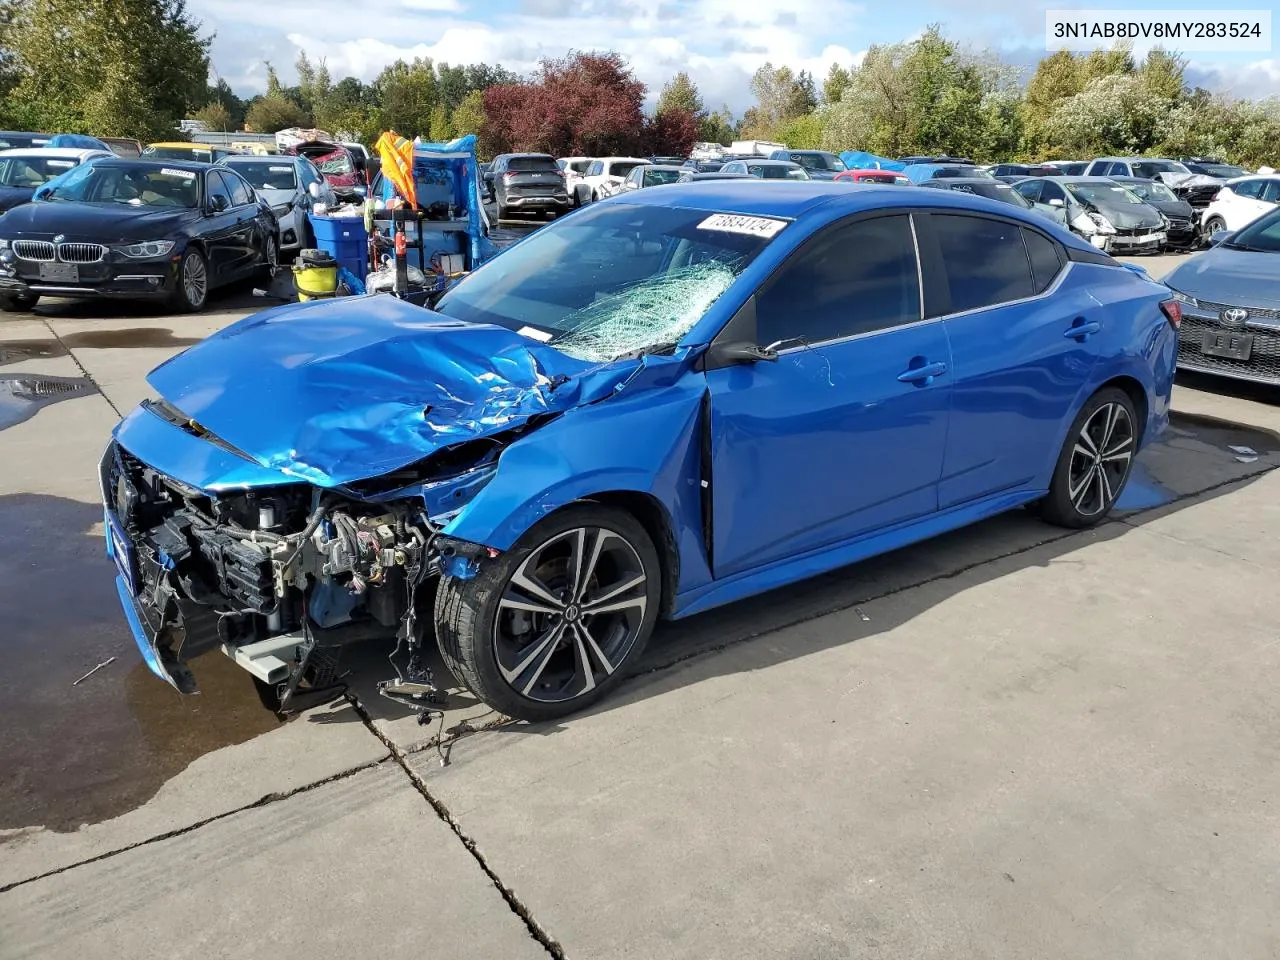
(596, 169)
(612, 280)
(986, 261)
(219, 192)
(850, 279)
(1030, 189)
(1270, 191)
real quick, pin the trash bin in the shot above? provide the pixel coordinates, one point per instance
(315, 274)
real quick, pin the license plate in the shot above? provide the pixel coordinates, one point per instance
(1152, 238)
(122, 553)
(1232, 346)
(60, 272)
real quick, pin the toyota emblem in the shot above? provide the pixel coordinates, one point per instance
(1235, 317)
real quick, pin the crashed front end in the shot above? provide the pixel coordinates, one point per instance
(281, 577)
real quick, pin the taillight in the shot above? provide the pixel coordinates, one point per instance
(1172, 310)
(510, 175)
(1216, 195)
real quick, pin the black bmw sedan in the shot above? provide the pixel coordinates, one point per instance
(136, 229)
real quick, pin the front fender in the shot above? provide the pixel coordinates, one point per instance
(646, 443)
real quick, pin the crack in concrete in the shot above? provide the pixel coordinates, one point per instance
(179, 831)
(87, 375)
(536, 930)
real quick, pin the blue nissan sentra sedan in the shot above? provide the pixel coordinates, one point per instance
(662, 403)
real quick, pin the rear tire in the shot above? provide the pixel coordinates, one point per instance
(551, 625)
(1095, 463)
(1212, 226)
(19, 302)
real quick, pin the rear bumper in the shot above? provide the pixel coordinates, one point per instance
(544, 203)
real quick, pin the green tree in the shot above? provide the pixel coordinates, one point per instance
(222, 94)
(1162, 73)
(441, 129)
(273, 113)
(836, 84)
(782, 96)
(1058, 76)
(215, 117)
(1107, 63)
(306, 81)
(468, 117)
(452, 85)
(680, 93)
(110, 67)
(718, 127)
(802, 133)
(1113, 114)
(408, 93)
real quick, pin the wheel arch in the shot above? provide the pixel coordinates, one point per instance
(652, 515)
(1137, 395)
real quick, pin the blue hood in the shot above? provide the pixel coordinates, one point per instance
(342, 390)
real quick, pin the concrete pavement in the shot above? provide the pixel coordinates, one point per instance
(1010, 742)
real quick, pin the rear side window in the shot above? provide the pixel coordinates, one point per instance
(985, 260)
(1029, 189)
(595, 169)
(849, 279)
(240, 192)
(539, 164)
(1046, 260)
(1250, 188)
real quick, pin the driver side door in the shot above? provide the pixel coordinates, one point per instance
(843, 434)
(221, 228)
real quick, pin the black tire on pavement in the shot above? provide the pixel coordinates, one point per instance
(18, 302)
(191, 289)
(1095, 462)
(551, 625)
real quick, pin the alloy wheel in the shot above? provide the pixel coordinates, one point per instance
(272, 255)
(570, 614)
(195, 279)
(1100, 459)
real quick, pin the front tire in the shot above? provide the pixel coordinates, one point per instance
(19, 302)
(192, 290)
(1212, 226)
(271, 258)
(1095, 462)
(550, 626)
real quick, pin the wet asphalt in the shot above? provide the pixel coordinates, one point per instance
(75, 753)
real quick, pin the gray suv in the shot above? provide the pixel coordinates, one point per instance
(527, 181)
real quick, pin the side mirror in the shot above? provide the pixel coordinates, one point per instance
(1057, 202)
(1218, 236)
(217, 204)
(740, 351)
(314, 189)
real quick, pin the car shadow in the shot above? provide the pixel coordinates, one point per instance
(1192, 464)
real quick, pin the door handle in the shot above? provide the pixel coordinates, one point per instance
(1082, 329)
(923, 374)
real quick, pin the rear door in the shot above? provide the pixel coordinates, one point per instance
(1023, 345)
(250, 232)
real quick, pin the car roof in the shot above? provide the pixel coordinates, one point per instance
(185, 145)
(57, 153)
(666, 166)
(983, 180)
(765, 161)
(260, 158)
(512, 156)
(1076, 179)
(627, 159)
(794, 199)
(194, 166)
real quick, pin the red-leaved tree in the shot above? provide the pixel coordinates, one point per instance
(672, 133)
(585, 104)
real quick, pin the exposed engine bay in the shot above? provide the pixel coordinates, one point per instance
(280, 578)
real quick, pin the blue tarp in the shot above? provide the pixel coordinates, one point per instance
(76, 141)
(446, 172)
(861, 160)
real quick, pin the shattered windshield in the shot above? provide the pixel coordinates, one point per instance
(614, 279)
(1152, 191)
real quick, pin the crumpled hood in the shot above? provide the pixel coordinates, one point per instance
(342, 390)
(1131, 216)
(1223, 275)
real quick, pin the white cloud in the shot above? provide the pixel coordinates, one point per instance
(720, 43)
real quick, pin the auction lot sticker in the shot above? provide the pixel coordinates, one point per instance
(751, 226)
(170, 172)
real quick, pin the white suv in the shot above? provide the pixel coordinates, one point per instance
(606, 174)
(575, 169)
(1239, 203)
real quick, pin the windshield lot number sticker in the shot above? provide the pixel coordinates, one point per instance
(751, 226)
(184, 174)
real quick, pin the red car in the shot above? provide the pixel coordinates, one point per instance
(342, 168)
(872, 176)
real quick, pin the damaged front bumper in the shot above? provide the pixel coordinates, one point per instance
(279, 580)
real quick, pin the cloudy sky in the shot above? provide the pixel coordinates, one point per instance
(719, 43)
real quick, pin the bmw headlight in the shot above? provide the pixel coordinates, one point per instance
(4, 244)
(147, 250)
(1185, 298)
(282, 209)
